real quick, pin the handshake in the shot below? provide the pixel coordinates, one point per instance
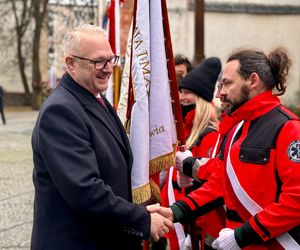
(225, 241)
(161, 220)
(162, 217)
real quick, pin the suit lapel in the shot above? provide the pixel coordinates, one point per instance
(107, 117)
(117, 121)
(107, 121)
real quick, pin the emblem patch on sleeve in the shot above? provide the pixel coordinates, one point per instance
(293, 151)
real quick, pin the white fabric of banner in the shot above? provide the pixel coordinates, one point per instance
(123, 100)
(152, 130)
(139, 130)
(162, 128)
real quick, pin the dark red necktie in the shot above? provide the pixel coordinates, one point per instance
(101, 101)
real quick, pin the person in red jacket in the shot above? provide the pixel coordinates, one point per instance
(257, 170)
(201, 131)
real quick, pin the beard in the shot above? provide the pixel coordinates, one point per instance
(232, 105)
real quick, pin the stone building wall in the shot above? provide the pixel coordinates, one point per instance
(230, 24)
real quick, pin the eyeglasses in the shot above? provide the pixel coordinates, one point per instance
(101, 63)
(219, 86)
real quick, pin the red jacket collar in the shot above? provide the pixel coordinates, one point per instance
(188, 123)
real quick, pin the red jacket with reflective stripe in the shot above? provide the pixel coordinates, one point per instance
(274, 184)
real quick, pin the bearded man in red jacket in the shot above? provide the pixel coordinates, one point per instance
(257, 172)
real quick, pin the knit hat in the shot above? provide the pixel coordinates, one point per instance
(202, 79)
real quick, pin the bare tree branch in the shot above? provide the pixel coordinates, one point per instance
(22, 11)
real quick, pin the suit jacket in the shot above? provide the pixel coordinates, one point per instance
(82, 176)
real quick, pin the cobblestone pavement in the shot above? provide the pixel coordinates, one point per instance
(16, 188)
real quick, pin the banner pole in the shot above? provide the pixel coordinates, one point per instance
(172, 76)
(176, 105)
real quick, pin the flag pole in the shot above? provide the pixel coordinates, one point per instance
(176, 104)
(172, 76)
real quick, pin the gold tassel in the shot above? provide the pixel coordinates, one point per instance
(141, 194)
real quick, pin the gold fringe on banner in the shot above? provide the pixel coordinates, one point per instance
(162, 162)
(141, 194)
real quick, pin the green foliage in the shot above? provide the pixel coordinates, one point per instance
(295, 109)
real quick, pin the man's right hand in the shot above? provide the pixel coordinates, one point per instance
(164, 211)
(159, 226)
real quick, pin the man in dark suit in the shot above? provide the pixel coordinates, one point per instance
(82, 159)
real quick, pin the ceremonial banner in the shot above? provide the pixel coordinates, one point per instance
(152, 132)
(139, 125)
(162, 129)
(146, 106)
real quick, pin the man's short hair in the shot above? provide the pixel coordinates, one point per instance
(181, 59)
